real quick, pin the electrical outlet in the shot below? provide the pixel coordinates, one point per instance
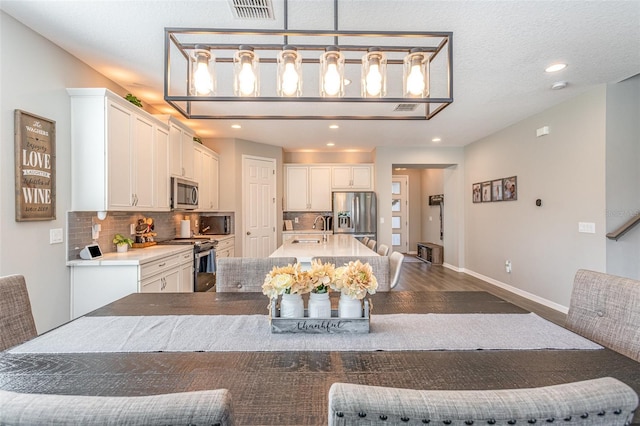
(132, 229)
(295, 220)
(507, 266)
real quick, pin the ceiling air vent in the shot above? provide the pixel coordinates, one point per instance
(405, 107)
(252, 9)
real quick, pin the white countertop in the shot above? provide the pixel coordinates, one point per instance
(303, 231)
(135, 256)
(336, 245)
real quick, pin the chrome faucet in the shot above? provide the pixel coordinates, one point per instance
(324, 226)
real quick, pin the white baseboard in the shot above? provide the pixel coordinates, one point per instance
(514, 290)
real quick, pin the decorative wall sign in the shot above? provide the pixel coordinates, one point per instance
(35, 167)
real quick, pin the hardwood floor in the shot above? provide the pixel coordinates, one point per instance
(420, 276)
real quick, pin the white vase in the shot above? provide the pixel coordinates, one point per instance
(122, 248)
(349, 307)
(291, 306)
(319, 305)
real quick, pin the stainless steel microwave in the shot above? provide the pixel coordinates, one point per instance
(184, 194)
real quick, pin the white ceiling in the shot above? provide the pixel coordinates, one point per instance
(501, 49)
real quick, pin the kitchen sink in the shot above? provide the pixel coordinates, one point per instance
(305, 241)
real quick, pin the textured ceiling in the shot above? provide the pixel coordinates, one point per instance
(500, 51)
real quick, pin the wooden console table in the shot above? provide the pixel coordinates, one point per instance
(430, 252)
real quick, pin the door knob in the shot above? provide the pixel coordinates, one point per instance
(248, 232)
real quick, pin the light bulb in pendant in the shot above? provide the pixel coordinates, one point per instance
(332, 80)
(246, 79)
(374, 81)
(202, 79)
(290, 80)
(415, 81)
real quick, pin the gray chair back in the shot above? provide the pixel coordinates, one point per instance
(371, 244)
(209, 407)
(383, 249)
(246, 274)
(607, 401)
(379, 266)
(606, 309)
(395, 265)
(16, 319)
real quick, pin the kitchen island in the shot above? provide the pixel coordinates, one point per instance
(305, 247)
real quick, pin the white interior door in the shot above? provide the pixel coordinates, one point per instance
(259, 188)
(400, 213)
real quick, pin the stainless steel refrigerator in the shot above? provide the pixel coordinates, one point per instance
(355, 213)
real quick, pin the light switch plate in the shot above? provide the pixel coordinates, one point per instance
(56, 236)
(587, 227)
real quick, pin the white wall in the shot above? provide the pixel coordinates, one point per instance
(623, 175)
(432, 184)
(566, 170)
(34, 75)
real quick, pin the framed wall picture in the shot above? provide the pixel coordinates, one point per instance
(510, 185)
(35, 167)
(476, 189)
(496, 190)
(486, 192)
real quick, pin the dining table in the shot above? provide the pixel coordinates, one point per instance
(290, 387)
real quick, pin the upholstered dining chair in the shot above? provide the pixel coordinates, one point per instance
(16, 320)
(606, 309)
(383, 249)
(365, 240)
(379, 266)
(246, 274)
(605, 401)
(395, 265)
(209, 407)
(371, 244)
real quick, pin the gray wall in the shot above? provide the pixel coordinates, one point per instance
(623, 175)
(41, 90)
(566, 170)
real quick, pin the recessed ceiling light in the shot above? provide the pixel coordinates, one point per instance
(436, 140)
(236, 126)
(330, 144)
(334, 126)
(555, 67)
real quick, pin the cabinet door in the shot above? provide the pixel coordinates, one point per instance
(161, 174)
(142, 147)
(172, 281)
(198, 176)
(175, 150)
(215, 183)
(187, 155)
(152, 284)
(361, 177)
(120, 159)
(341, 177)
(297, 187)
(186, 276)
(205, 190)
(320, 188)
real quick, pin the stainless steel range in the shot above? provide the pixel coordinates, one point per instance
(204, 260)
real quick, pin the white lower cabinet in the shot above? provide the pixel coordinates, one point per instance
(97, 283)
(226, 247)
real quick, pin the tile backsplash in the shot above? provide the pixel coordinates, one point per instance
(166, 225)
(305, 219)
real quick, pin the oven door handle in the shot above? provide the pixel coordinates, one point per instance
(202, 254)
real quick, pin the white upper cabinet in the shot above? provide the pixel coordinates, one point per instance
(206, 172)
(162, 190)
(181, 158)
(308, 187)
(356, 176)
(114, 151)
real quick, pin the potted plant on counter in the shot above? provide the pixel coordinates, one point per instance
(122, 243)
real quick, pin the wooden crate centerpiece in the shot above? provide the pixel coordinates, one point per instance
(335, 324)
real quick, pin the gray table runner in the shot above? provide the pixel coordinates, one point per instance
(396, 332)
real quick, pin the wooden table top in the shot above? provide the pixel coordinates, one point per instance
(291, 388)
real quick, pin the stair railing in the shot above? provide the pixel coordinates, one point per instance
(615, 235)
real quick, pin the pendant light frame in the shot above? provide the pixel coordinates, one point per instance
(180, 44)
